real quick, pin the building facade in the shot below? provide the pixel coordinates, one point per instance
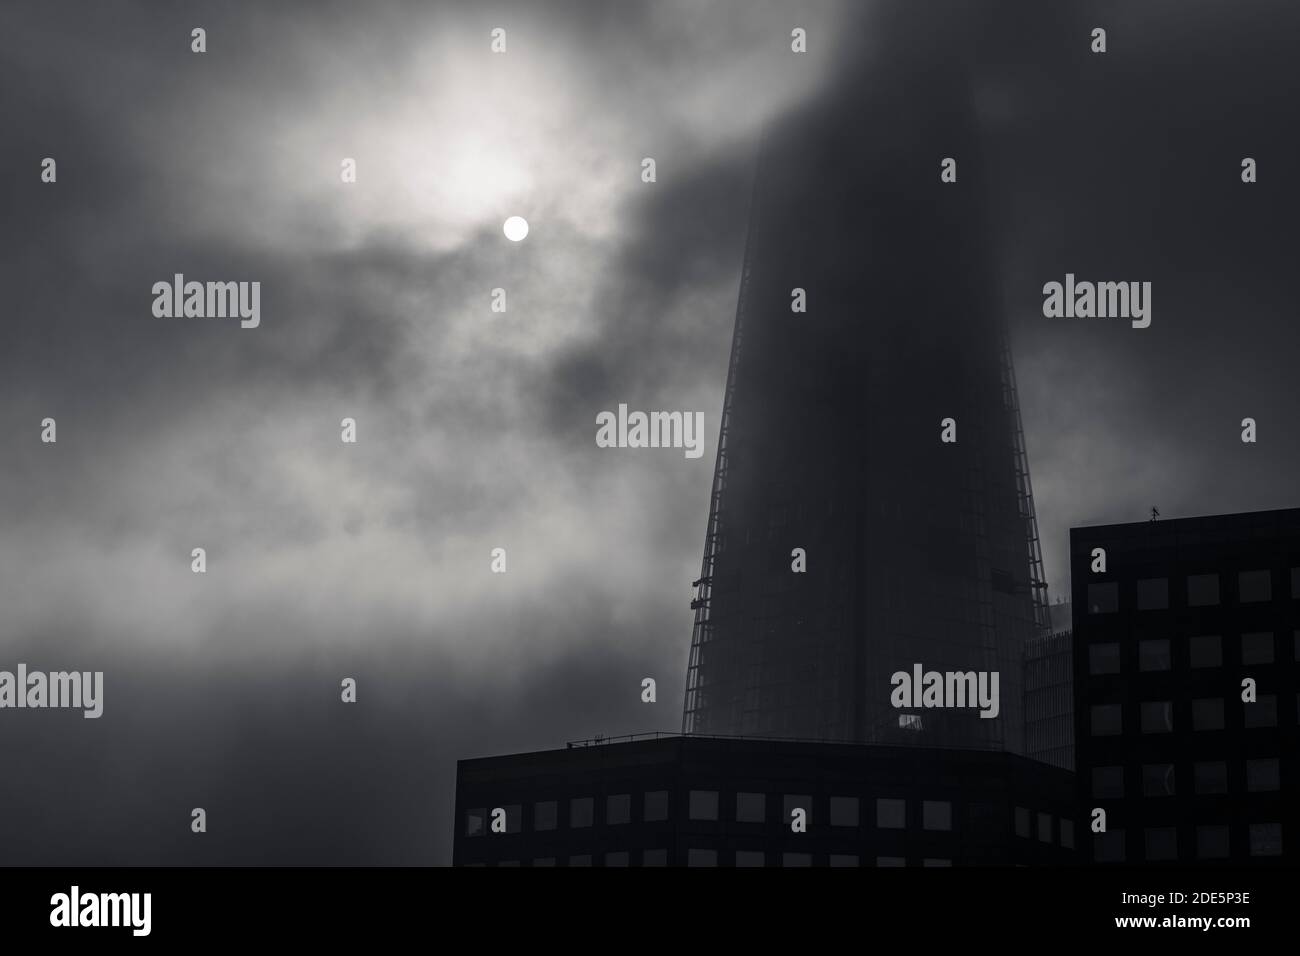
(1186, 651)
(705, 801)
(1049, 699)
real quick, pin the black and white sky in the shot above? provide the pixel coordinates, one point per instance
(476, 429)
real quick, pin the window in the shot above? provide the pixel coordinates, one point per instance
(936, 814)
(656, 805)
(1254, 586)
(844, 812)
(1210, 776)
(704, 805)
(699, 857)
(514, 817)
(475, 821)
(582, 859)
(616, 858)
(1022, 822)
(751, 858)
(1103, 597)
(1265, 839)
(1157, 716)
(1108, 781)
(1263, 774)
(934, 861)
(1162, 843)
(1206, 651)
(1044, 827)
(1107, 720)
(1262, 713)
(1109, 847)
(1153, 655)
(1212, 842)
(544, 861)
(1103, 658)
(751, 807)
(796, 859)
(797, 801)
(1158, 780)
(1257, 648)
(1153, 594)
(545, 815)
(508, 863)
(1202, 590)
(582, 812)
(1207, 713)
(891, 861)
(1067, 833)
(618, 808)
(891, 814)
(844, 859)
(654, 857)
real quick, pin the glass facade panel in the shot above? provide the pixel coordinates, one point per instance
(1153, 655)
(1103, 658)
(1202, 590)
(1257, 648)
(704, 805)
(1107, 720)
(1210, 776)
(891, 814)
(751, 807)
(618, 809)
(656, 805)
(844, 811)
(1103, 597)
(1153, 594)
(1207, 713)
(1254, 586)
(1206, 650)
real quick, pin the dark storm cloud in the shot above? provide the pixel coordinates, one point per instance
(476, 430)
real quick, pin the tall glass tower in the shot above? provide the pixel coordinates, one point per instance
(918, 551)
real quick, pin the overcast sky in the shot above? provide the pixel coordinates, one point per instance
(476, 429)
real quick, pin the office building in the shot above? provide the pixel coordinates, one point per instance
(1176, 621)
(706, 801)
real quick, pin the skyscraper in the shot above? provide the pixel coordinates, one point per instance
(917, 550)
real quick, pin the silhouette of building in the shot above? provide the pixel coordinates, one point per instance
(705, 801)
(1180, 615)
(917, 550)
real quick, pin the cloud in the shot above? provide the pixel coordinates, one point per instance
(475, 428)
